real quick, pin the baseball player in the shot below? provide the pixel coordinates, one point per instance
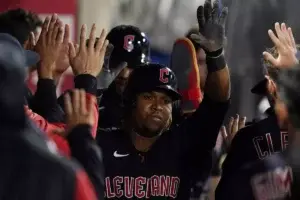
(258, 140)
(148, 158)
(193, 87)
(271, 176)
(30, 167)
(130, 48)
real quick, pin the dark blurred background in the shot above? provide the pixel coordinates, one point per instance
(247, 26)
(165, 20)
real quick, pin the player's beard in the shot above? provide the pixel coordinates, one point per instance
(145, 130)
(140, 129)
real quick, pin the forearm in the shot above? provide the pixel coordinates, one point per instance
(85, 149)
(86, 82)
(89, 84)
(44, 101)
(217, 85)
(213, 185)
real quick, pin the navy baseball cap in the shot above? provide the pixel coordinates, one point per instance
(31, 57)
(261, 87)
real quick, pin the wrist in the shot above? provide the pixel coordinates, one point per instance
(215, 63)
(78, 71)
(45, 75)
(87, 73)
(45, 71)
(214, 54)
(56, 78)
(78, 133)
(86, 82)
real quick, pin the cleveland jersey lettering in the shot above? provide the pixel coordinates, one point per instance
(141, 187)
(267, 142)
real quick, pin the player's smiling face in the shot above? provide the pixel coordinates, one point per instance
(153, 112)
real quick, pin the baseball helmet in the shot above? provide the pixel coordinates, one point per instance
(261, 87)
(151, 77)
(131, 45)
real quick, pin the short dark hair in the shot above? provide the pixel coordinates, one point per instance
(19, 23)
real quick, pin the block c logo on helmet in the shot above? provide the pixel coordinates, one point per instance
(128, 42)
(163, 75)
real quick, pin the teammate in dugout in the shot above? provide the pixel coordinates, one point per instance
(288, 107)
(260, 139)
(270, 178)
(148, 159)
(27, 156)
(130, 48)
(192, 94)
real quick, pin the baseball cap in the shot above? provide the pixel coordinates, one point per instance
(28, 57)
(261, 87)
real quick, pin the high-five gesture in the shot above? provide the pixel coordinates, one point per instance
(62, 62)
(234, 125)
(49, 45)
(78, 111)
(88, 59)
(285, 45)
(107, 74)
(30, 45)
(211, 26)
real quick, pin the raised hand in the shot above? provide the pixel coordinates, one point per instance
(234, 125)
(108, 75)
(78, 111)
(30, 45)
(49, 45)
(211, 34)
(285, 45)
(63, 63)
(89, 58)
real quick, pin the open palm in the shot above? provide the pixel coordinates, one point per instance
(63, 61)
(285, 45)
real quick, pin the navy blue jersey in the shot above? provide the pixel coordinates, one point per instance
(165, 170)
(255, 142)
(262, 180)
(111, 109)
(252, 143)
